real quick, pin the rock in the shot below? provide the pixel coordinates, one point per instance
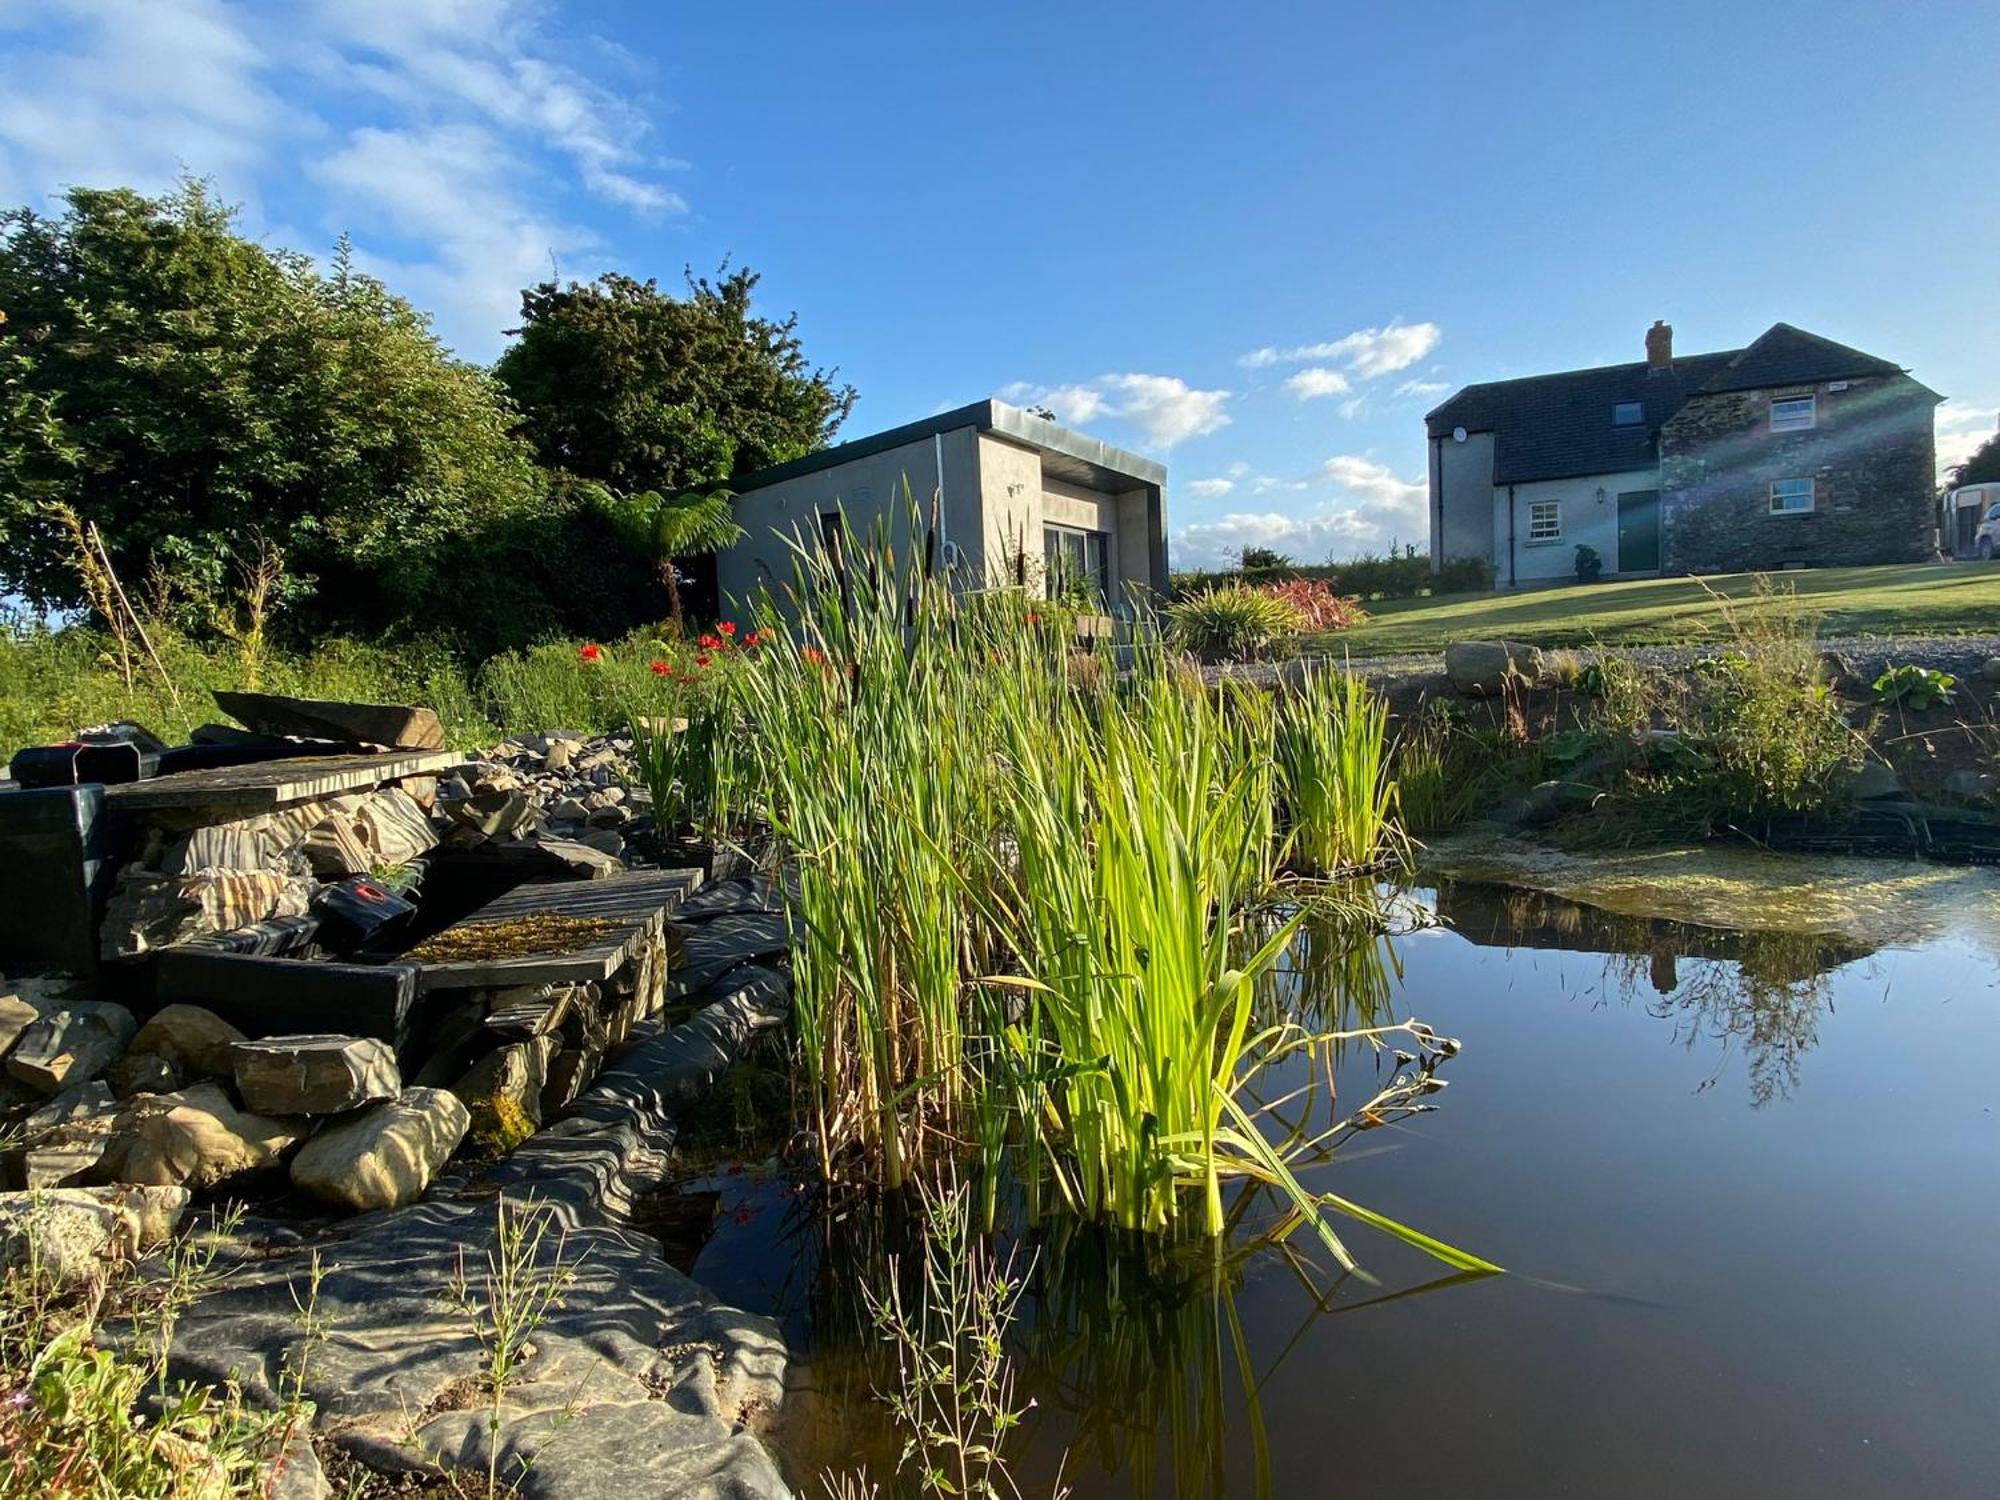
(83, 1102)
(394, 725)
(71, 1045)
(1486, 667)
(248, 844)
(1990, 670)
(1874, 782)
(494, 814)
(70, 1232)
(194, 1040)
(614, 816)
(335, 849)
(559, 753)
(198, 1139)
(393, 827)
(604, 841)
(16, 1016)
(143, 1073)
(567, 810)
(580, 858)
(502, 1093)
(385, 1157)
(149, 911)
(314, 1075)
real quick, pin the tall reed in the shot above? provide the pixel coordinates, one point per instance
(1331, 749)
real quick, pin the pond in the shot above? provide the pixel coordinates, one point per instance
(1747, 1187)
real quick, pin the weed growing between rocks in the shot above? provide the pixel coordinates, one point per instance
(87, 1406)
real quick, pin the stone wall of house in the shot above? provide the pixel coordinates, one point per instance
(1871, 455)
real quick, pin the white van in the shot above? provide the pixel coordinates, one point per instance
(1973, 511)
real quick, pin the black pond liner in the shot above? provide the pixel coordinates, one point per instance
(1899, 830)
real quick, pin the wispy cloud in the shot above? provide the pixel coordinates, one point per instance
(1366, 352)
(445, 134)
(1419, 389)
(1165, 408)
(1310, 384)
(1208, 489)
(1368, 506)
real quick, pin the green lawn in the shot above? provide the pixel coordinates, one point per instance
(1913, 599)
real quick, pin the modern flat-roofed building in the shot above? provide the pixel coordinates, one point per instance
(1022, 498)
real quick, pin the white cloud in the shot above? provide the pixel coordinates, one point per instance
(1418, 388)
(1309, 384)
(475, 127)
(1165, 408)
(1208, 489)
(1366, 352)
(1370, 508)
(1960, 431)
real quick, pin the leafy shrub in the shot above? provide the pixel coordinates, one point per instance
(1318, 606)
(1915, 687)
(1589, 563)
(1232, 623)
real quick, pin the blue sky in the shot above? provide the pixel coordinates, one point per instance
(1257, 241)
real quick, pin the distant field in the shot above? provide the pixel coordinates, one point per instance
(1914, 599)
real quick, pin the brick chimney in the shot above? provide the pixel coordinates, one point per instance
(1660, 346)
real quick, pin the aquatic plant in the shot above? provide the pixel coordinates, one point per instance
(1338, 800)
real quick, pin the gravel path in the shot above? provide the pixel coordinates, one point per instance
(1956, 653)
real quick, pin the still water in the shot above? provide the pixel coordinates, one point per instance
(1747, 1188)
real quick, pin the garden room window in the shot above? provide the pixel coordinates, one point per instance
(1074, 562)
(1628, 413)
(1791, 497)
(1545, 521)
(1791, 413)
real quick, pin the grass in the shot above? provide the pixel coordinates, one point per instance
(1911, 599)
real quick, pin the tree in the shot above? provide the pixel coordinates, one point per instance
(681, 526)
(1983, 467)
(188, 390)
(1264, 559)
(618, 382)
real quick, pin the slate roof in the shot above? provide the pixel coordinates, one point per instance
(1559, 426)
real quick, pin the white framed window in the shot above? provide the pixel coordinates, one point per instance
(1791, 497)
(1545, 521)
(1791, 413)
(1628, 413)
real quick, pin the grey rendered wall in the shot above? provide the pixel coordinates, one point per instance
(1464, 478)
(865, 488)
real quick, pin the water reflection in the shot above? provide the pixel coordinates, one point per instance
(1760, 992)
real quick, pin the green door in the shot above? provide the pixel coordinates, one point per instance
(1639, 532)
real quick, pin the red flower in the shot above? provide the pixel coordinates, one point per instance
(663, 669)
(814, 655)
(727, 627)
(591, 652)
(702, 660)
(750, 640)
(710, 643)
(1033, 619)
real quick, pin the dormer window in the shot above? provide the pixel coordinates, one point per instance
(1791, 413)
(1628, 414)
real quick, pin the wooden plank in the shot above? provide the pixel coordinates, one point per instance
(638, 901)
(402, 726)
(237, 790)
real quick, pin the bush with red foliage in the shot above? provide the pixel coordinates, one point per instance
(1318, 606)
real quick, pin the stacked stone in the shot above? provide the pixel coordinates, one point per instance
(564, 795)
(100, 1105)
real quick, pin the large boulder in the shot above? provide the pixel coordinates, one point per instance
(1485, 668)
(194, 1040)
(386, 1156)
(197, 1138)
(69, 1233)
(71, 1045)
(502, 1092)
(314, 1075)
